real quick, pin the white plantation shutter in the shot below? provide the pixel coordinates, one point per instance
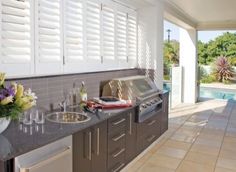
(49, 31)
(15, 31)
(73, 30)
(93, 27)
(108, 31)
(132, 37)
(121, 35)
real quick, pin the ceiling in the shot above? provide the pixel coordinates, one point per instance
(204, 14)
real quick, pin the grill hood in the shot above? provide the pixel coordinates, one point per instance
(129, 88)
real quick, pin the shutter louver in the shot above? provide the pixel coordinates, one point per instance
(93, 30)
(49, 30)
(15, 31)
(121, 35)
(74, 30)
(132, 37)
(108, 26)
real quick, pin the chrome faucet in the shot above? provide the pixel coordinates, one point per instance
(63, 105)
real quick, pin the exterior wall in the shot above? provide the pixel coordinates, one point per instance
(188, 60)
(49, 89)
(150, 41)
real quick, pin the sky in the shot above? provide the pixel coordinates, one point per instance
(204, 36)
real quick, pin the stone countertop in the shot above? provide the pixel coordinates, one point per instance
(18, 139)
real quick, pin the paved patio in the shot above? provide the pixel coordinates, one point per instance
(201, 138)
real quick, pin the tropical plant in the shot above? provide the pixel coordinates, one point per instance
(224, 45)
(171, 52)
(13, 99)
(222, 70)
(232, 61)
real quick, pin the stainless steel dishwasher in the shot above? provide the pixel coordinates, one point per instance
(54, 157)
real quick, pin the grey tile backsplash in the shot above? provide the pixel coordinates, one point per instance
(49, 89)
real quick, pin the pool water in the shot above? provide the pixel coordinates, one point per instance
(213, 93)
(217, 93)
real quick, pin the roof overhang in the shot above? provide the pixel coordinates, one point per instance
(201, 14)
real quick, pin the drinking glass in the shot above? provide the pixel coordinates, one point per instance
(27, 118)
(39, 117)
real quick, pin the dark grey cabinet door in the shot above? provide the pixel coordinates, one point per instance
(131, 136)
(82, 151)
(165, 112)
(99, 148)
(90, 149)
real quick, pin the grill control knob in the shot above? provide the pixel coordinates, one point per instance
(153, 101)
(148, 104)
(143, 106)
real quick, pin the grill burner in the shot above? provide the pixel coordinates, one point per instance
(139, 89)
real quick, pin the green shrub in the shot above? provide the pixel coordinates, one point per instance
(232, 61)
(208, 79)
(167, 77)
(202, 72)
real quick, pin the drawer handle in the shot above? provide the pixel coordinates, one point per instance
(90, 146)
(118, 153)
(118, 122)
(151, 123)
(130, 123)
(118, 168)
(98, 141)
(119, 137)
(151, 138)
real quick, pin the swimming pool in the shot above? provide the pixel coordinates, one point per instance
(216, 93)
(213, 93)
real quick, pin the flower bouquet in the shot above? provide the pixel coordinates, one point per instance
(14, 99)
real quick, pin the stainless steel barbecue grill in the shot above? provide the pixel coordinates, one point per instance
(139, 89)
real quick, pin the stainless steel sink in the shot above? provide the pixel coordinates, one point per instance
(67, 117)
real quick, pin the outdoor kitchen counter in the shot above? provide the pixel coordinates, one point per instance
(19, 139)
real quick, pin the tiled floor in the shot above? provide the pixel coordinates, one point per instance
(201, 138)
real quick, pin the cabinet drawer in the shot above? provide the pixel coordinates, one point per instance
(116, 157)
(116, 140)
(149, 125)
(117, 167)
(145, 141)
(117, 123)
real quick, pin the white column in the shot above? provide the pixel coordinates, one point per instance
(159, 62)
(188, 60)
(150, 46)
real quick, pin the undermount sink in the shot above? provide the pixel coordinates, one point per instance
(67, 117)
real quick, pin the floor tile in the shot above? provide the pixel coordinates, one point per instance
(218, 137)
(194, 141)
(230, 139)
(208, 142)
(172, 152)
(205, 149)
(188, 166)
(178, 144)
(228, 145)
(219, 169)
(201, 158)
(152, 167)
(228, 154)
(183, 138)
(226, 163)
(165, 161)
(134, 167)
(213, 131)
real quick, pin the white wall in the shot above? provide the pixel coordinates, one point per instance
(150, 40)
(188, 60)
